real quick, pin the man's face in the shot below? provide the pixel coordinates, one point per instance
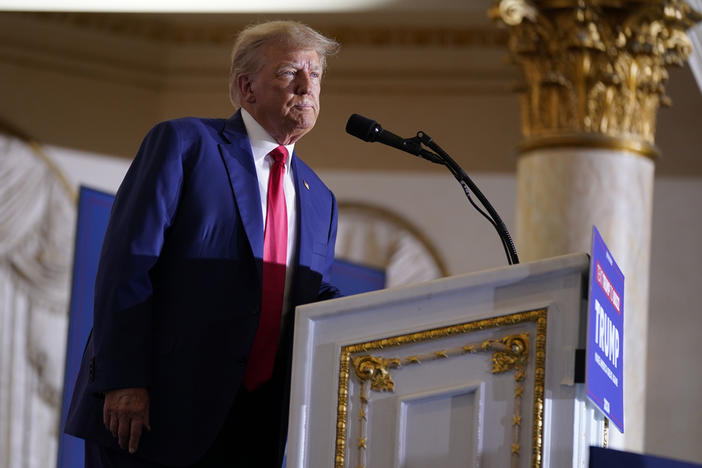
(284, 95)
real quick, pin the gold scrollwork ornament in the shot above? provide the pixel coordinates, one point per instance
(377, 371)
(514, 355)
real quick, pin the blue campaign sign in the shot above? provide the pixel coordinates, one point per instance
(604, 369)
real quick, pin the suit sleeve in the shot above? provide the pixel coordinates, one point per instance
(326, 289)
(143, 210)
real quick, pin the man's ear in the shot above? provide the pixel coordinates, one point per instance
(245, 85)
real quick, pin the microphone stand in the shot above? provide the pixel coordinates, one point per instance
(468, 186)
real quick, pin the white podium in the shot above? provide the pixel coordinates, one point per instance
(474, 370)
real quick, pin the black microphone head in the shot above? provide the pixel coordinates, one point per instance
(363, 128)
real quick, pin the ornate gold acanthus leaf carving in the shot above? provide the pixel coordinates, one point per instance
(377, 371)
(510, 352)
(595, 70)
(514, 356)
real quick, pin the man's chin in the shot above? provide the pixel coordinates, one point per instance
(305, 122)
(296, 129)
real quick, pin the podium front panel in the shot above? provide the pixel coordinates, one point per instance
(475, 370)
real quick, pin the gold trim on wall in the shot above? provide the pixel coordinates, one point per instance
(175, 28)
(509, 353)
(91, 45)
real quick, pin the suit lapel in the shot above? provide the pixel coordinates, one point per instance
(303, 233)
(313, 233)
(237, 157)
(305, 229)
(311, 229)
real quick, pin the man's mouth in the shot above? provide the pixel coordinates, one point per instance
(303, 105)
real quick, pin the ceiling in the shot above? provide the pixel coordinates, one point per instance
(255, 7)
(451, 62)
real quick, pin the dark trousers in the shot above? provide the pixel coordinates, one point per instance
(252, 437)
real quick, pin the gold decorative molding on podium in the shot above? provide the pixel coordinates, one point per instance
(509, 353)
(595, 70)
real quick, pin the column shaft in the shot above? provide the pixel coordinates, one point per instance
(594, 77)
(562, 193)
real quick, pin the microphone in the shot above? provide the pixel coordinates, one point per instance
(370, 130)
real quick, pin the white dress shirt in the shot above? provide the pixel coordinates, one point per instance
(262, 144)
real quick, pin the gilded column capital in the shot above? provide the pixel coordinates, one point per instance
(595, 70)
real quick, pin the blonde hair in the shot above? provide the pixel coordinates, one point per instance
(247, 56)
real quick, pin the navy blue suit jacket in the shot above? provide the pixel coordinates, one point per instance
(178, 289)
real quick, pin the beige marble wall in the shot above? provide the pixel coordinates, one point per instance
(561, 194)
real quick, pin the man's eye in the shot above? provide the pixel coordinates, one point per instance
(315, 74)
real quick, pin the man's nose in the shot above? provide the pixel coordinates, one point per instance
(303, 83)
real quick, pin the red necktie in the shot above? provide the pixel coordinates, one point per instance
(275, 251)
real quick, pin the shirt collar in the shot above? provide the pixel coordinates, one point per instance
(262, 142)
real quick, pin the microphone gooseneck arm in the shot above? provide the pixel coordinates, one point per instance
(369, 130)
(468, 187)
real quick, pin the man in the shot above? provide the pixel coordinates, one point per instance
(217, 229)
